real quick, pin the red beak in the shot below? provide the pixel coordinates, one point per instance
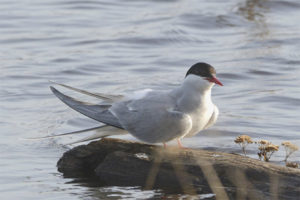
(215, 80)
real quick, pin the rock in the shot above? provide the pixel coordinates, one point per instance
(229, 176)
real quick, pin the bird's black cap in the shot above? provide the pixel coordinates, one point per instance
(202, 69)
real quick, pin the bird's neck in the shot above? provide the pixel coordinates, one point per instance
(194, 94)
(196, 85)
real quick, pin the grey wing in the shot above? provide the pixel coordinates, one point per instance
(213, 118)
(152, 119)
(97, 112)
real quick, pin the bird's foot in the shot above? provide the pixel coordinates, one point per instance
(180, 144)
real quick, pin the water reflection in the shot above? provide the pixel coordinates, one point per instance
(117, 192)
(254, 11)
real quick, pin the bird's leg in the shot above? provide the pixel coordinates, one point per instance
(165, 145)
(179, 144)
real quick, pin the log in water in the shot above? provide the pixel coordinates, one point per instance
(190, 171)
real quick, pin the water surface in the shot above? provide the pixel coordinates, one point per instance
(119, 45)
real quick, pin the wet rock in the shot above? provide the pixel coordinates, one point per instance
(229, 176)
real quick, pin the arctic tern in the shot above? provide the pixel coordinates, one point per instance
(153, 116)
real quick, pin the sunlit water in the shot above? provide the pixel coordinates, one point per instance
(115, 46)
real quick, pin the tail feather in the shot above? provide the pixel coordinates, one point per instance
(106, 97)
(97, 112)
(101, 133)
(69, 133)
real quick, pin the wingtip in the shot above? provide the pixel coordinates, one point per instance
(53, 89)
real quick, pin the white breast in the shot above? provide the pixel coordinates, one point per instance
(200, 119)
(194, 99)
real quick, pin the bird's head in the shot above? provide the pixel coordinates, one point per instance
(204, 71)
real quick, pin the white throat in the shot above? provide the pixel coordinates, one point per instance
(197, 84)
(193, 94)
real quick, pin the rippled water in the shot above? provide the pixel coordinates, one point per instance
(119, 45)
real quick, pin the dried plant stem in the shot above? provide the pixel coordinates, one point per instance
(153, 172)
(266, 149)
(244, 150)
(289, 149)
(213, 180)
(287, 154)
(267, 157)
(243, 141)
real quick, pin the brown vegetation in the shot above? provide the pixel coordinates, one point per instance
(243, 141)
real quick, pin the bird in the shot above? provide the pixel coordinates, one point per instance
(153, 116)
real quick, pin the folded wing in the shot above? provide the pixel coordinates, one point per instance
(153, 118)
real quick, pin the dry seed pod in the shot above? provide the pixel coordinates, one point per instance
(289, 148)
(292, 164)
(243, 141)
(266, 149)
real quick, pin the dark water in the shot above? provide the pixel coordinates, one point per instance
(119, 45)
